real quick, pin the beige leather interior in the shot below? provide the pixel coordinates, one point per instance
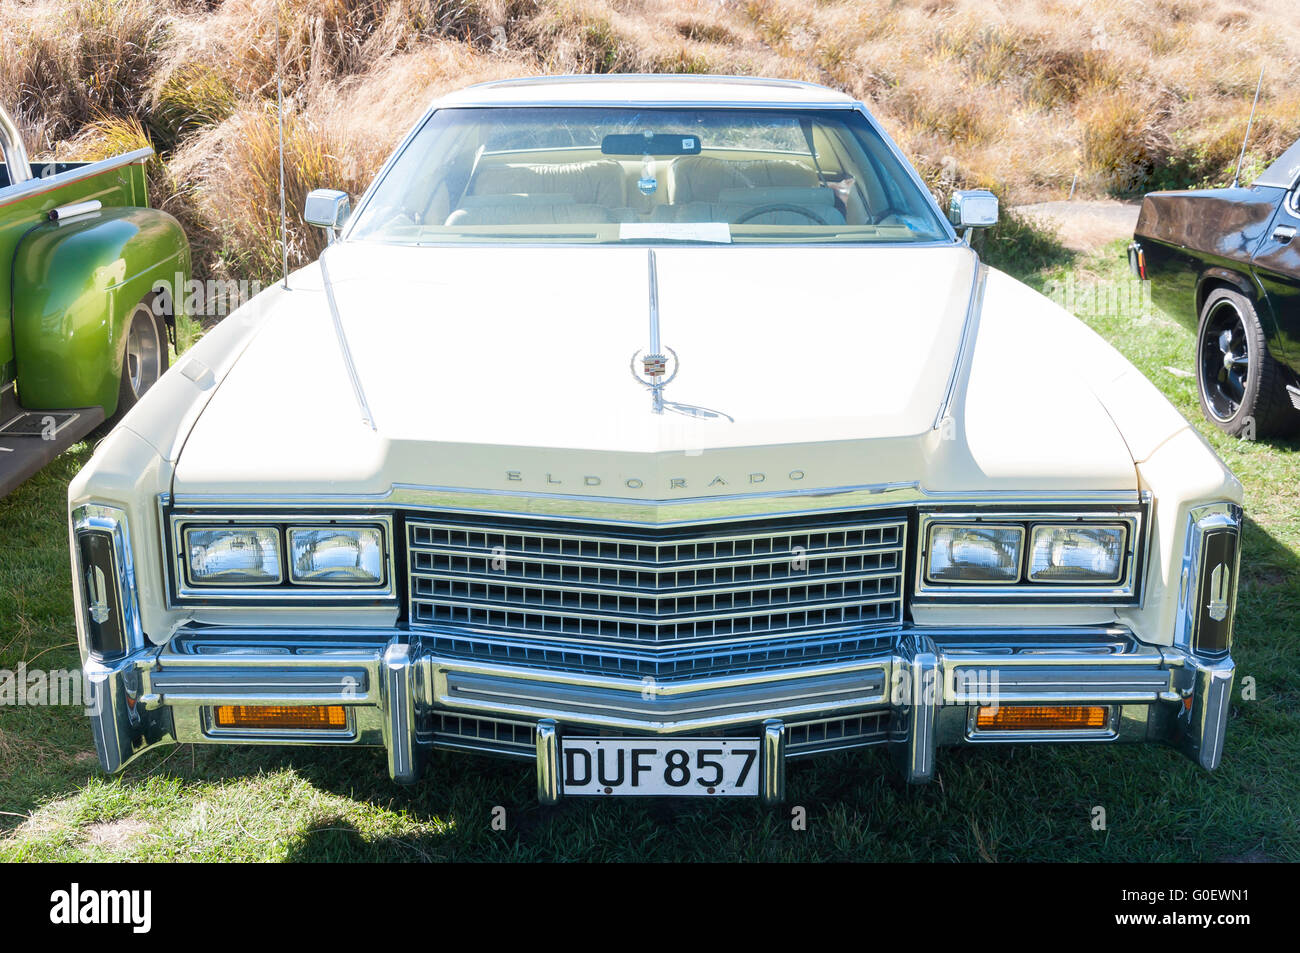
(597, 182)
(704, 178)
(692, 189)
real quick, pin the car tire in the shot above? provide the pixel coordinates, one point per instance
(1241, 388)
(145, 357)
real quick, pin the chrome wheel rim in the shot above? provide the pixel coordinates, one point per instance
(143, 352)
(1224, 361)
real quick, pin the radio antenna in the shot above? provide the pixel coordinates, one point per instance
(1236, 176)
(279, 99)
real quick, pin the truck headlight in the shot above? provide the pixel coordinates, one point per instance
(233, 555)
(336, 556)
(974, 553)
(1075, 553)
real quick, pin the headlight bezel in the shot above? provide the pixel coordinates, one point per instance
(1125, 590)
(184, 591)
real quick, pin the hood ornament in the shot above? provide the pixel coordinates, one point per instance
(650, 366)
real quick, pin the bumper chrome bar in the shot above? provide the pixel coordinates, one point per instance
(921, 694)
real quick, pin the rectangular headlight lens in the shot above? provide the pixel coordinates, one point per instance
(336, 555)
(1077, 553)
(233, 555)
(974, 553)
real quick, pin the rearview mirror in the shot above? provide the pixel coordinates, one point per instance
(973, 208)
(327, 208)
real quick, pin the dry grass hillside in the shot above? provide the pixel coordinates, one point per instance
(1017, 95)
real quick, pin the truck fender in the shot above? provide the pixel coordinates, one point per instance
(74, 284)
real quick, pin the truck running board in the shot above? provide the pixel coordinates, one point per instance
(30, 439)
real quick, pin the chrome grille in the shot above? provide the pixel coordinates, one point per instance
(652, 585)
(665, 664)
(835, 734)
(493, 735)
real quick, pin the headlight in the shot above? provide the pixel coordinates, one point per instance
(229, 555)
(1073, 554)
(966, 552)
(336, 556)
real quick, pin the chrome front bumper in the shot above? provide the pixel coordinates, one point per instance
(914, 696)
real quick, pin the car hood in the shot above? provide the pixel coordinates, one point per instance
(511, 369)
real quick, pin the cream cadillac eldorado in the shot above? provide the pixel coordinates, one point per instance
(654, 431)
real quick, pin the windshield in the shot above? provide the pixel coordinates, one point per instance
(633, 175)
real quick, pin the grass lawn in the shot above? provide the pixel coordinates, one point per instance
(185, 803)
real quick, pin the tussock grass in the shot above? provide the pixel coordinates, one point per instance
(233, 173)
(1020, 97)
(72, 61)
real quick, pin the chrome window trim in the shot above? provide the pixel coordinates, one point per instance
(103, 517)
(1125, 592)
(1200, 521)
(908, 168)
(181, 593)
(710, 79)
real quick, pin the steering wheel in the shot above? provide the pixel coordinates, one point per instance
(764, 209)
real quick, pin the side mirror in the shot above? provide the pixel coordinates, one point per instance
(973, 208)
(328, 209)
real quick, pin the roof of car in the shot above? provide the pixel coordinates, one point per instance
(648, 90)
(1284, 172)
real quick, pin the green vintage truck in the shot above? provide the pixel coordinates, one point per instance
(91, 283)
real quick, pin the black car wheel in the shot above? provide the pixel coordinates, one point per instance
(1241, 387)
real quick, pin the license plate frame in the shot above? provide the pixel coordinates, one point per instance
(648, 767)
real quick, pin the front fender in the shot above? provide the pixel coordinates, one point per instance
(75, 283)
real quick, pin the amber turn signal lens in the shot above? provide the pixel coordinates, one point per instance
(1041, 718)
(320, 717)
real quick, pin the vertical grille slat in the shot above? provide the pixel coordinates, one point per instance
(656, 586)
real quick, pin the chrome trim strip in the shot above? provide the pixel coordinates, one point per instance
(1207, 722)
(917, 670)
(966, 345)
(549, 772)
(700, 79)
(617, 511)
(772, 762)
(367, 417)
(404, 765)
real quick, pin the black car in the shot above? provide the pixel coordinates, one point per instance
(1227, 263)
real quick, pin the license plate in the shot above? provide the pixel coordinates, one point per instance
(675, 767)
